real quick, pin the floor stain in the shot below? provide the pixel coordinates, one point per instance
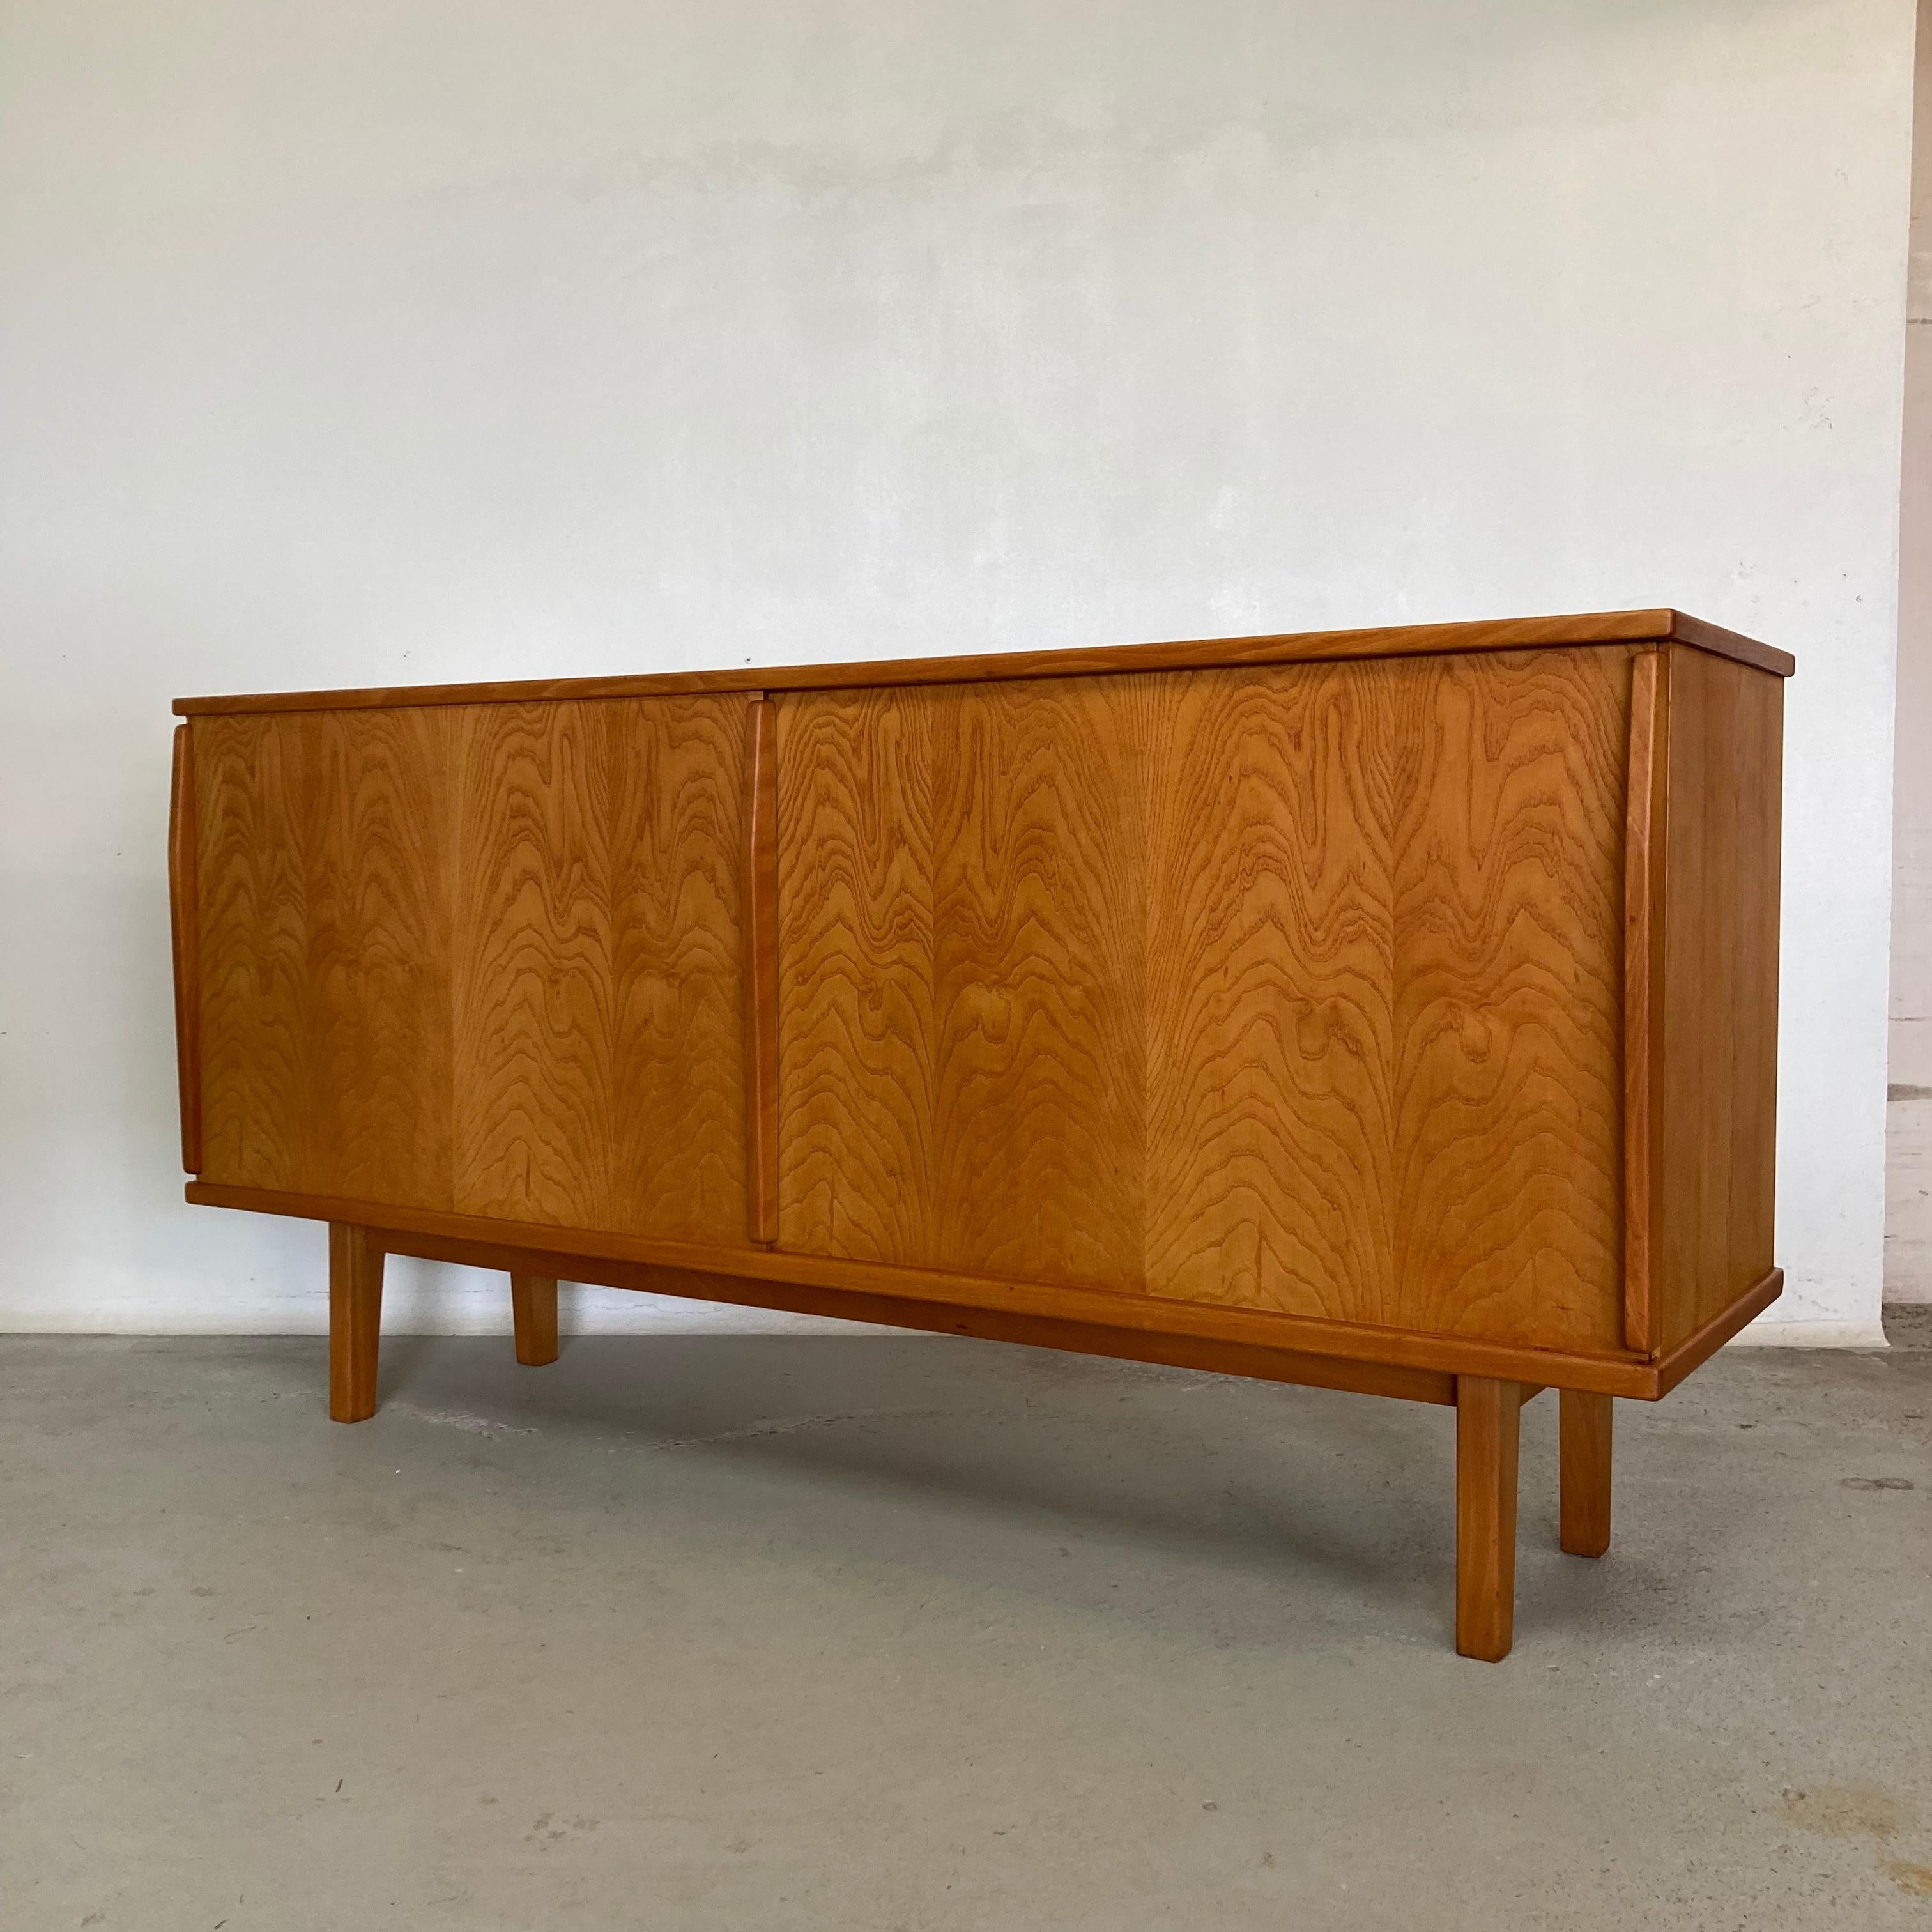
(1846, 1811)
(1915, 1880)
(1860, 1811)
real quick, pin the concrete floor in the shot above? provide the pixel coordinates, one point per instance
(753, 1633)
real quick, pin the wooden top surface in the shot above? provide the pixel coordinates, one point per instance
(1506, 633)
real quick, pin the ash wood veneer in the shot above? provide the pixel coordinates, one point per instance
(1392, 1011)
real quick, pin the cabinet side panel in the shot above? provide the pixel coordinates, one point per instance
(325, 944)
(1720, 1008)
(598, 993)
(1754, 1113)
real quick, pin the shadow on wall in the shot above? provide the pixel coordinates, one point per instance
(422, 1297)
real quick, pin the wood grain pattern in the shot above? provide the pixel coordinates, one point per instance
(534, 910)
(1488, 1431)
(1392, 1011)
(354, 1321)
(1247, 986)
(599, 995)
(1509, 634)
(856, 975)
(533, 1316)
(781, 1271)
(1719, 642)
(1718, 1033)
(960, 931)
(535, 1001)
(1701, 1344)
(1505, 949)
(253, 945)
(185, 932)
(1584, 1431)
(761, 977)
(1645, 876)
(324, 936)
(1271, 1028)
(1298, 989)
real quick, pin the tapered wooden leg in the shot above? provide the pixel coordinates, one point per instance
(1585, 1480)
(533, 1300)
(1487, 1416)
(354, 1321)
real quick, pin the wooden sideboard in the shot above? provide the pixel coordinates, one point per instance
(1389, 1010)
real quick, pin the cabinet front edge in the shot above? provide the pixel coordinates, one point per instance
(1608, 1374)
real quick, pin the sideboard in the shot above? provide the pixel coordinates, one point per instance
(1385, 1010)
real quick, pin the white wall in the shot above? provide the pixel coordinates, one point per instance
(1908, 1219)
(409, 340)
